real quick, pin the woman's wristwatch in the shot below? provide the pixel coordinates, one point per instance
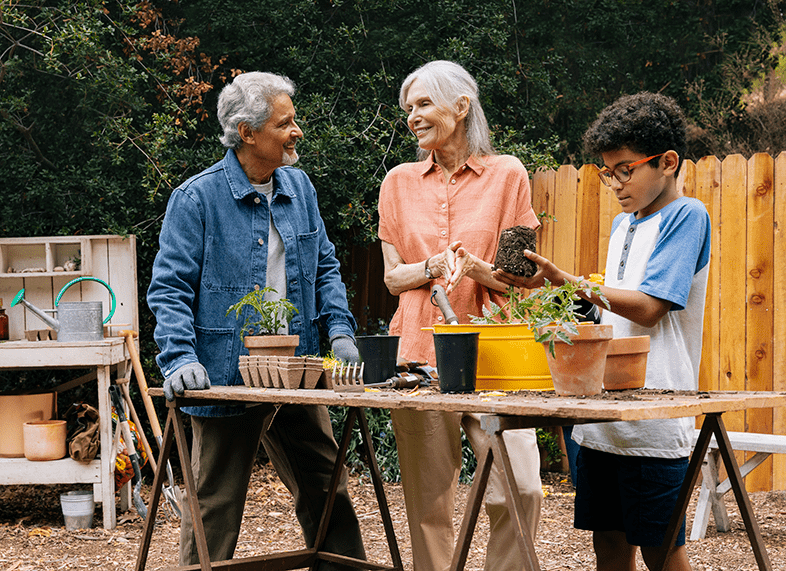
(428, 271)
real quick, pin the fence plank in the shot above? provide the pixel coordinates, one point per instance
(779, 312)
(609, 208)
(732, 282)
(758, 339)
(543, 184)
(707, 189)
(566, 215)
(587, 224)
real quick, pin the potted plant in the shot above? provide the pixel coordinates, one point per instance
(264, 319)
(575, 351)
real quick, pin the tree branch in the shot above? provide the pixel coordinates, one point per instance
(28, 136)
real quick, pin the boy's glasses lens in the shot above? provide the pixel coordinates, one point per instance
(622, 172)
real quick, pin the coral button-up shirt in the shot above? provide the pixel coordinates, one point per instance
(420, 215)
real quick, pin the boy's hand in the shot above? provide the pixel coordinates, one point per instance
(546, 270)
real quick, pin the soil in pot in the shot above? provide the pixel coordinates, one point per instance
(510, 251)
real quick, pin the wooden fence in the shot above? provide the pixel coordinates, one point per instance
(744, 346)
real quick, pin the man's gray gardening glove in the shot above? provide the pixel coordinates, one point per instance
(192, 377)
(344, 348)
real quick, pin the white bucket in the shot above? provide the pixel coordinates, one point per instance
(78, 508)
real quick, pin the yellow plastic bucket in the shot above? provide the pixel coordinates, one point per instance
(509, 358)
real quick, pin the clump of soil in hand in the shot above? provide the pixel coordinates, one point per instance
(510, 252)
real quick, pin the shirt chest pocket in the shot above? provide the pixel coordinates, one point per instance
(226, 268)
(308, 255)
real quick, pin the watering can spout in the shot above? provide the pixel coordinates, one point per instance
(20, 298)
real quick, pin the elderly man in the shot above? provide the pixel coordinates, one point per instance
(248, 221)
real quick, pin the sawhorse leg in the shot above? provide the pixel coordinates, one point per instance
(290, 560)
(713, 424)
(494, 426)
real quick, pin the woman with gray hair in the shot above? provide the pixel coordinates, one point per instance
(440, 219)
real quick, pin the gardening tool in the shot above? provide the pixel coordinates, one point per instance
(117, 400)
(400, 381)
(77, 320)
(440, 299)
(171, 492)
(348, 380)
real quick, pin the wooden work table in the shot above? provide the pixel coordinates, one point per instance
(500, 412)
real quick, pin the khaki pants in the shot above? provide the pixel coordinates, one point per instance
(429, 450)
(301, 447)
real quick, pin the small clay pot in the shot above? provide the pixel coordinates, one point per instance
(510, 251)
(626, 363)
(44, 439)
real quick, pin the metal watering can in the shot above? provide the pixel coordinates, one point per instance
(77, 320)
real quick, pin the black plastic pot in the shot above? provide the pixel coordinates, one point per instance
(378, 352)
(457, 361)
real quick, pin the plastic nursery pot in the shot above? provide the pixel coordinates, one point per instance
(457, 361)
(379, 353)
(626, 363)
(577, 370)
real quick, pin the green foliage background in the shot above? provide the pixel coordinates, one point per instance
(105, 106)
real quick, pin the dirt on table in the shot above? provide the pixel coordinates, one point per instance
(33, 536)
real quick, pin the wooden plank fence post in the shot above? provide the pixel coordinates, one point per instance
(732, 257)
(566, 218)
(758, 336)
(779, 311)
(707, 189)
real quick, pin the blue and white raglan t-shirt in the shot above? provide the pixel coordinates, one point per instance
(665, 255)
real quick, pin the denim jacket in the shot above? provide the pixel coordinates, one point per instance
(213, 250)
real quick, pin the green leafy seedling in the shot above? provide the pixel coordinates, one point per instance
(267, 316)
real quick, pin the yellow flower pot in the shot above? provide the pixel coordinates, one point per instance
(509, 358)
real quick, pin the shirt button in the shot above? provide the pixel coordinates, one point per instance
(256, 287)
(622, 264)
(261, 242)
(257, 200)
(632, 229)
(625, 247)
(439, 318)
(444, 232)
(445, 205)
(453, 181)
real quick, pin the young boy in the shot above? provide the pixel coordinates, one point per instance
(630, 473)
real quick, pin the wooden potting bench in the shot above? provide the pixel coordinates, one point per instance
(499, 413)
(40, 266)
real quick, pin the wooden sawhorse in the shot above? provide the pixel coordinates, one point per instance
(495, 425)
(300, 559)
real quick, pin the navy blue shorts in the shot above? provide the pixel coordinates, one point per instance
(632, 494)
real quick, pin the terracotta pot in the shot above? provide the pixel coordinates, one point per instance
(282, 345)
(45, 439)
(15, 410)
(626, 363)
(578, 369)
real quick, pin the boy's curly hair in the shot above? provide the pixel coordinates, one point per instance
(647, 123)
